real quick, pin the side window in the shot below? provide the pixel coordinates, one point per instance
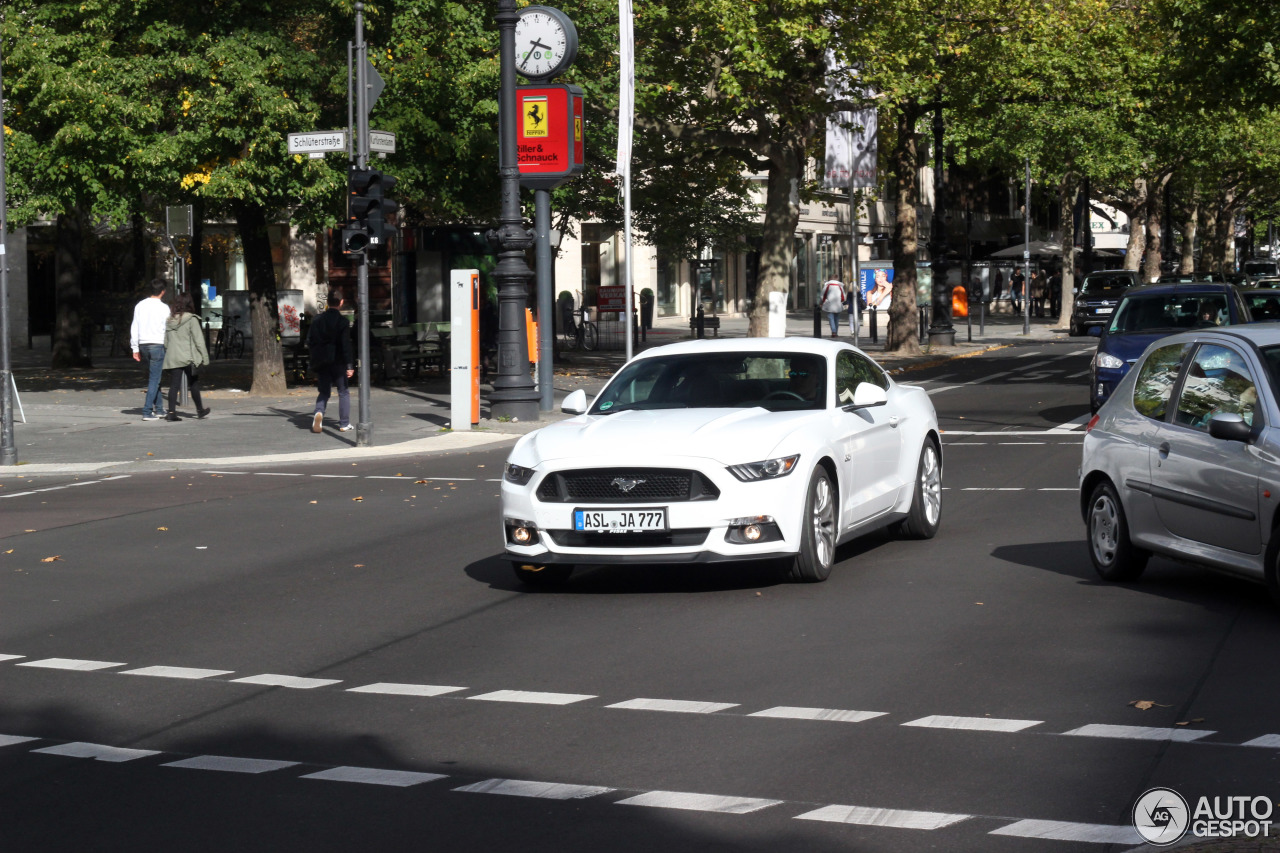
(1218, 380)
(1154, 385)
(853, 369)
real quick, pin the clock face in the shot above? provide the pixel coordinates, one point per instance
(546, 42)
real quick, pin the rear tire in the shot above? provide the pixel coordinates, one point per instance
(818, 530)
(1113, 554)
(543, 576)
(925, 515)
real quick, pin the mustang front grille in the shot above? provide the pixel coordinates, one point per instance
(626, 485)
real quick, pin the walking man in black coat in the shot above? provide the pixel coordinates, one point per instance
(329, 346)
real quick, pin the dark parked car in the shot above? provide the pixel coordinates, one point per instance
(1189, 277)
(1151, 312)
(1264, 305)
(1181, 461)
(1098, 296)
(1254, 270)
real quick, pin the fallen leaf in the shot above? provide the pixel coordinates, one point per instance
(57, 557)
(10, 551)
(150, 454)
(358, 566)
(313, 502)
(162, 528)
(28, 531)
(357, 499)
(1147, 704)
(419, 482)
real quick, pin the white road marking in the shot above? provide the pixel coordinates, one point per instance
(336, 476)
(679, 706)
(533, 697)
(228, 764)
(896, 818)
(394, 689)
(1139, 733)
(1079, 375)
(966, 444)
(270, 680)
(1011, 433)
(1059, 489)
(1056, 830)
(974, 724)
(1272, 741)
(1072, 424)
(389, 477)
(11, 740)
(176, 672)
(71, 663)
(66, 486)
(992, 489)
(274, 474)
(698, 802)
(789, 713)
(374, 776)
(941, 388)
(539, 790)
(1006, 443)
(11, 657)
(237, 473)
(97, 751)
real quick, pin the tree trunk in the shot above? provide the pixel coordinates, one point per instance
(67, 271)
(268, 359)
(1155, 220)
(1188, 262)
(1210, 256)
(902, 332)
(781, 215)
(1137, 239)
(1068, 189)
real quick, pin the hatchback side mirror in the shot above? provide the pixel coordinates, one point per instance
(1230, 426)
(575, 403)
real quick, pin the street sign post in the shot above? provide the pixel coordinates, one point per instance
(317, 143)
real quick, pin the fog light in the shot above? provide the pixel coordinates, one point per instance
(751, 532)
(523, 535)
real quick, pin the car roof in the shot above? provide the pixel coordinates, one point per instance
(815, 346)
(1187, 287)
(1112, 272)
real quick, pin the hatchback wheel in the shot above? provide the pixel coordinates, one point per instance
(818, 535)
(1113, 555)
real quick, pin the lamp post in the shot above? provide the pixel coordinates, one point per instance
(8, 454)
(514, 395)
(940, 329)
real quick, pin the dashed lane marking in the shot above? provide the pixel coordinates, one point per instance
(1057, 830)
(974, 724)
(374, 776)
(896, 818)
(97, 752)
(698, 802)
(228, 764)
(274, 474)
(293, 681)
(11, 657)
(533, 697)
(66, 486)
(679, 706)
(176, 672)
(1139, 733)
(12, 740)
(394, 689)
(334, 476)
(538, 790)
(1271, 741)
(787, 712)
(72, 664)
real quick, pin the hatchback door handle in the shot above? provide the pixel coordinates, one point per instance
(1164, 449)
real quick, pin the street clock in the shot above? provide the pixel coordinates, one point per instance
(546, 42)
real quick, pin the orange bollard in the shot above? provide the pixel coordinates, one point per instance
(959, 301)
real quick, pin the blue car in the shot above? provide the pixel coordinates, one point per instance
(1148, 313)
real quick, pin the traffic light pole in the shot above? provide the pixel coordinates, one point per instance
(364, 422)
(8, 454)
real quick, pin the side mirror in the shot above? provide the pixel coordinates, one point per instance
(575, 403)
(1094, 331)
(1229, 426)
(867, 395)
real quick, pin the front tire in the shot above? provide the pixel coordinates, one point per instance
(1113, 554)
(533, 574)
(925, 515)
(818, 534)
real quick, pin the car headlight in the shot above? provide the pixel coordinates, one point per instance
(766, 470)
(1107, 360)
(517, 474)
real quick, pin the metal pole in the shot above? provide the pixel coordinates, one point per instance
(857, 275)
(364, 425)
(1026, 256)
(940, 329)
(542, 260)
(8, 454)
(626, 265)
(513, 393)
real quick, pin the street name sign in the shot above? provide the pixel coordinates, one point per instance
(316, 143)
(382, 141)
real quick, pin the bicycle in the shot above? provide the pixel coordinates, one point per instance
(230, 342)
(579, 334)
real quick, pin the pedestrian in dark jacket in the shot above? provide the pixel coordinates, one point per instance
(329, 349)
(184, 354)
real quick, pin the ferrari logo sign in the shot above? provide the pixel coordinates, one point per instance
(535, 117)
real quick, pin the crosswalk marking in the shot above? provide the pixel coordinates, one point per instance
(1056, 830)
(679, 706)
(406, 689)
(228, 764)
(12, 740)
(374, 776)
(698, 802)
(293, 681)
(11, 657)
(72, 664)
(176, 672)
(896, 818)
(534, 697)
(790, 713)
(539, 790)
(97, 751)
(1272, 741)
(974, 724)
(1139, 733)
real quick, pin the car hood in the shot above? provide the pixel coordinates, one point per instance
(1130, 345)
(729, 436)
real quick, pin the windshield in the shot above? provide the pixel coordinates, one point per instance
(1159, 311)
(1261, 268)
(775, 381)
(1100, 282)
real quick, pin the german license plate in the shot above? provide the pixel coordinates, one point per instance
(1106, 310)
(620, 520)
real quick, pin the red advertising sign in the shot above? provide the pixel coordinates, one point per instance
(548, 134)
(610, 299)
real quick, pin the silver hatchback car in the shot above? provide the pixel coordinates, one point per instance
(1184, 459)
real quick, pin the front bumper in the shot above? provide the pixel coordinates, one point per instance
(1103, 383)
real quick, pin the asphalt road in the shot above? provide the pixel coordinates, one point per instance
(333, 658)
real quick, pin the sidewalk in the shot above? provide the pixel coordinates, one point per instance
(90, 421)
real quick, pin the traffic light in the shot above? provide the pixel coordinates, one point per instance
(367, 209)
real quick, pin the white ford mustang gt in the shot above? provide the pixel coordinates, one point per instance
(709, 451)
